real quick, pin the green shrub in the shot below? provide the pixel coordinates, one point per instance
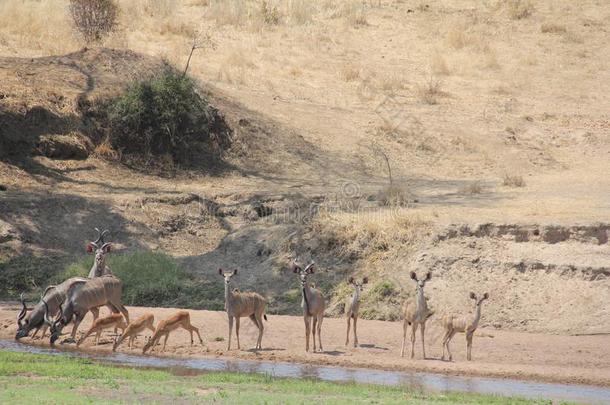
(164, 115)
(154, 279)
(24, 273)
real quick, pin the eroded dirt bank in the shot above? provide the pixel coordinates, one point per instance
(543, 357)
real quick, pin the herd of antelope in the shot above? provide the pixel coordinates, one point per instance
(71, 300)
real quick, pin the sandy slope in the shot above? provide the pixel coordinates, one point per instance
(566, 359)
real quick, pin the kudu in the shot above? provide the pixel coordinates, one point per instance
(54, 295)
(313, 305)
(100, 248)
(84, 296)
(145, 321)
(416, 313)
(353, 306)
(241, 304)
(181, 319)
(111, 321)
(466, 324)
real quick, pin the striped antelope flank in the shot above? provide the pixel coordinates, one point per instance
(181, 319)
(134, 328)
(353, 306)
(313, 305)
(241, 304)
(465, 324)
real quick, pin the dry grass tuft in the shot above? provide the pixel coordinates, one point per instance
(430, 91)
(513, 181)
(476, 187)
(352, 12)
(105, 151)
(394, 195)
(349, 73)
(551, 28)
(390, 82)
(518, 9)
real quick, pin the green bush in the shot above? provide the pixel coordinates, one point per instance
(154, 279)
(164, 115)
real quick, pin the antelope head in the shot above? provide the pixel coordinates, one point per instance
(99, 247)
(57, 325)
(359, 286)
(478, 301)
(421, 283)
(227, 276)
(23, 322)
(303, 272)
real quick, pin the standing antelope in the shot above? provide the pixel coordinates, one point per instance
(135, 327)
(100, 249)
(239, 305)
(54, 295)
(353, 305)
(466, 324)
(313, 305)
(112, 320)
(85, 296)
(416, 314)
(180, 319)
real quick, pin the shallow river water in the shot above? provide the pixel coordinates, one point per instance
(423, 381)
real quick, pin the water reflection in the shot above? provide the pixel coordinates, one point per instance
(419, 381)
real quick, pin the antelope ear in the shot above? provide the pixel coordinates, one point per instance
(428, 276)
(350, 280)
(485, 296)
(295, 269)
(235, 272)
(473, 296)
(413, 276)
(90, 247)
(106, 247)
(310, 269)
(220, 272)
(365, 280)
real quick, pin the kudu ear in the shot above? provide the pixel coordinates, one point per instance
(91, 247)
(428, 276)
(365, 280)
(220, 272)
(310, 268)
(473, 296)
(234, 272)
(485, 296)
(413, 276)
(350, 280)
(106, 247)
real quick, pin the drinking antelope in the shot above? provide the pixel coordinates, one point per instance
(416, 314)
(180, 319)
(313, 305)
(135, 327)
(107, 322)
(466, 324)
(353, 305)
(85, 296)
(54, 295)
(239, 305)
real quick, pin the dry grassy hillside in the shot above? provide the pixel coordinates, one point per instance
(493, 117)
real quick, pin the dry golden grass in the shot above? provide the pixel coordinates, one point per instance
(513, 181)
(552, 28)
(430, 91)
(349, 73)
(518, 9)
(475, 187)
(394, 195)
(438, 64)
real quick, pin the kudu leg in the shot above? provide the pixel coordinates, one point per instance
(257, 319)
(165, 341)
(307, 332)
(320, 332)
(313, 331)
(469, 346)
(230, 331)
(413, 330)
(237, 332)
(405, 325)
(444, 341)
(77, 321)
(349, 318)
(355, 332)
(423, 339)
